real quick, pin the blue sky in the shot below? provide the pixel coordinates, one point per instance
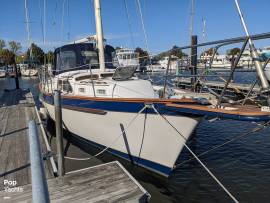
(166, 21)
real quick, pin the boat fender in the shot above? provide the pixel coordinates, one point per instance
(43, 113)
(265, 108)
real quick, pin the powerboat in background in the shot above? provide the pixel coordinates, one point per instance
(126, 57)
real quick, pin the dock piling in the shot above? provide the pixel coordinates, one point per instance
(16, 77)
(59, 132)
(193, 58)
(39, 183)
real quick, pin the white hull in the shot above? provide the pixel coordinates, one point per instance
(2, 75)
(29, 72)
(226, 65)
(161, 145)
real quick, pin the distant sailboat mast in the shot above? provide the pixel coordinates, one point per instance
(204, 30)
(99, 35)
(253, 51)
(28, 27)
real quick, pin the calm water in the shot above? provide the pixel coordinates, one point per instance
(243, 166)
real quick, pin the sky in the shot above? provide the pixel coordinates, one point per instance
(166, 21)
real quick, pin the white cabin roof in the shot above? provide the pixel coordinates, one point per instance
(125, 51)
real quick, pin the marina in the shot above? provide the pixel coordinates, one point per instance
(100, 116)
(233, 167)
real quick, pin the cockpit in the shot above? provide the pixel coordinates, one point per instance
(80, 56)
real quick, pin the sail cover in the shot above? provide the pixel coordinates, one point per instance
(124, 73)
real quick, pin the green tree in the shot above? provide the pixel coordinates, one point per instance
(15, 46)
(20, 58)
(7, 57)
(2, 44)
(209, 52)
(50, 57)
(143, 56)
(233, 51)
(174, 51)
(36, 55)
(177, 52)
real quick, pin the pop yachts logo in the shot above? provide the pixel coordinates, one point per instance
(11, 186)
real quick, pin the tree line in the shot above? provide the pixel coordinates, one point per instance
(231, 52)
(11, 53)
(176, 51)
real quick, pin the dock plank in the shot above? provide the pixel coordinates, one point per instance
(103, 183)
(16, 111)
(22, 152)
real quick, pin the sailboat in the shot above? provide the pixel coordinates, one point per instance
(113, 109)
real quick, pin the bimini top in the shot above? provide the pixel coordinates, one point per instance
(78, 56)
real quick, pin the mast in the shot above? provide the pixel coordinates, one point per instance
(192, 17)
(44, 28)
(253, 51)
(44, 21)
(99, 35)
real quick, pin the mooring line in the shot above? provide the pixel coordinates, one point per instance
(195, 156)
(109, 146)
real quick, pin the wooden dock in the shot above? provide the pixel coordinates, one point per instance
(17, 109)
(103, 183)
(108, 182)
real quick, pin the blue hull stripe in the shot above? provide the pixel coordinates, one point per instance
(134, 107)
(116, 106)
